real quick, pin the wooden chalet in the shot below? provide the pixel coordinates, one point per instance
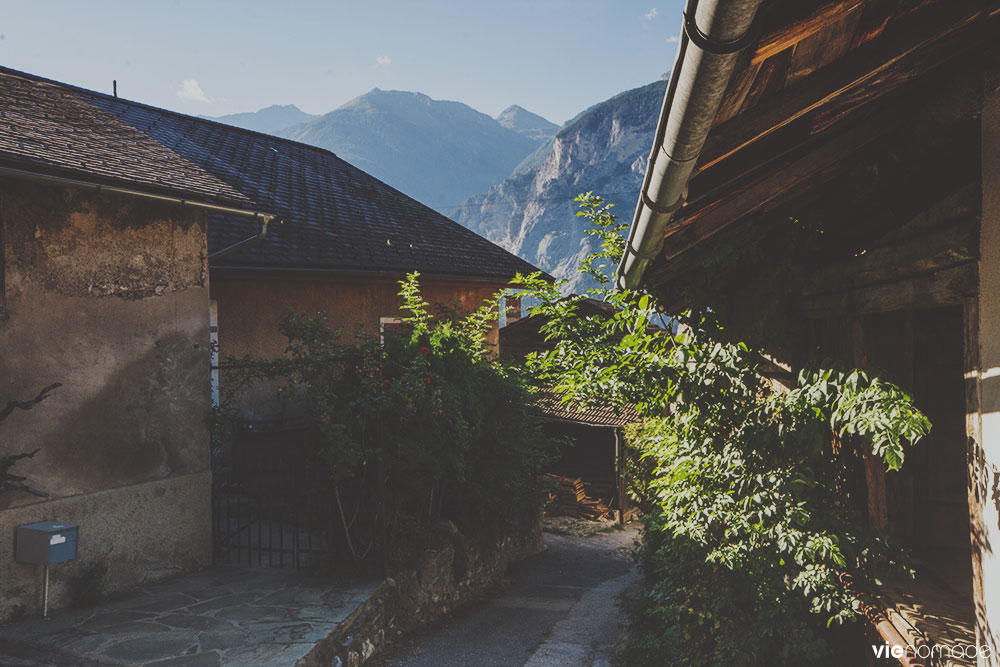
(876, 125)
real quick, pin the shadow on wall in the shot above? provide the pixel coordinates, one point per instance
(140, 426)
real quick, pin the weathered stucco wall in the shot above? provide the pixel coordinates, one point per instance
(108, 296)
(250, 312)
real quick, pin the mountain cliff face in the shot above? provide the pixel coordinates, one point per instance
(269, 120)
(527, 124)
(603, 150)
(437, 152)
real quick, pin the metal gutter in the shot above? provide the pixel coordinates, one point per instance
(715, 31)
(50, 179)
(236, 271)
(130, 192)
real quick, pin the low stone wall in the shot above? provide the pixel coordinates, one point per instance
(129, 536)
(443, 577)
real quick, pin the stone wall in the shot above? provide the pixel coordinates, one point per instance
(442, 578)
(109, 296)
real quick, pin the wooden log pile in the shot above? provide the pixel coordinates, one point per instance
(569, 498)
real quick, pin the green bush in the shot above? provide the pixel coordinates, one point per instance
(411, 428)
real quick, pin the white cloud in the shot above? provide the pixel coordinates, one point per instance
(382, 60)
(191, 91)
(673, 40)
(651, 14)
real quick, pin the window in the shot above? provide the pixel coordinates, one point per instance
(391, 325)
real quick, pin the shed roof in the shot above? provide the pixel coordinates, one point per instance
(824, 80)
(593, 415)
(335, 217)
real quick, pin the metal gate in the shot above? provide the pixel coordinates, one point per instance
(260, 500)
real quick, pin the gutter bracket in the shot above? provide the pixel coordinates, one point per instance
(715, 47)
(662, 210)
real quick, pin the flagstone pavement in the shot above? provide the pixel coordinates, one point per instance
(225, 616)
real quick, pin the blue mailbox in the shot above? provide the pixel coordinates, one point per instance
(45, 543)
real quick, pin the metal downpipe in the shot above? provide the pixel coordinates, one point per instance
(715, 31)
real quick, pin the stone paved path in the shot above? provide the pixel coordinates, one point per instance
(228, 616)
(558, 610)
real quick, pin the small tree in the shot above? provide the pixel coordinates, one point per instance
(748, 525)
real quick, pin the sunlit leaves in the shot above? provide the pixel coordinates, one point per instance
(732, 472)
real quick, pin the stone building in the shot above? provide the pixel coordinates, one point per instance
(127, 235)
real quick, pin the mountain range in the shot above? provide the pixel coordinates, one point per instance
(603, 150)
(269, 120)
(511, 178)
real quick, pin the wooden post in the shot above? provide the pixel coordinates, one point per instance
(978, 473)
(878, 510)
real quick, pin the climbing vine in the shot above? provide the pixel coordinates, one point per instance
(748, 520)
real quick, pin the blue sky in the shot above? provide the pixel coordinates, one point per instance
(553, 57)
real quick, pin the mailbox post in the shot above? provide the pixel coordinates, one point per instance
(45, 543)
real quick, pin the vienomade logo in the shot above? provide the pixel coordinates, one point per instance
(937, 651)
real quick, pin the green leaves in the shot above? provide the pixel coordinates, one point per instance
(731, 472)
(411, 427)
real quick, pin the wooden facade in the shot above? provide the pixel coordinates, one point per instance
(876, 123)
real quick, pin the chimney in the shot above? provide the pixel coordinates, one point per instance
(513, 306)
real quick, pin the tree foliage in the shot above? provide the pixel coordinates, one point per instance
(749, 522)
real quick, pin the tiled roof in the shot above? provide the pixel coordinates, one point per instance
(594, 415)
(50, 127)
(335, 217)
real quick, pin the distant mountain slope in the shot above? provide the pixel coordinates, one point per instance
(527, 124)
(603, 150)
(268, 120)
(437, 152)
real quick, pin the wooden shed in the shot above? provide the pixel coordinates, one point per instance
(592, 444)
(847, 195)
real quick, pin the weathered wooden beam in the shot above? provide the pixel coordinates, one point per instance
(738, 89)
(874, 19)
(762, 191)
(956, 244)
(919, 111)
(901, 53)
(823, 48)
(789, 35)
(966, 202)
(949, 287)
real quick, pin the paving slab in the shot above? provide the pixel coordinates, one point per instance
(227, 616)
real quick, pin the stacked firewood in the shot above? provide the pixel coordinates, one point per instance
(569, 498)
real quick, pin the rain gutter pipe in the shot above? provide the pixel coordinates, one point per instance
(264, 218)
(715, 32)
